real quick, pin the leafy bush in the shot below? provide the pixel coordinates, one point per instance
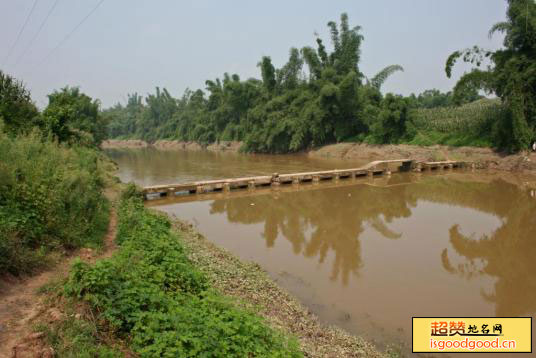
(50, 197)
(391, 122)
(150, 292)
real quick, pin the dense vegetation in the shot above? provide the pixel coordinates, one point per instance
(50, 197)
(511, 75)
(469, 124)
(51, 181)
(290, 109)
(151, 294)
(70, 117)
(320, 96)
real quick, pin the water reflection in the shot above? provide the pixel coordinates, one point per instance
(508, 254)
(366, 255)
(318, 221)
(149, 166)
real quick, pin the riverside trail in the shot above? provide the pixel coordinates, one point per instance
(21, 305)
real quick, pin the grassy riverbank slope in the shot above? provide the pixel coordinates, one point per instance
(169, 292)
(152, 296)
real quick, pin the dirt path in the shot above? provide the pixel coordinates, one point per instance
(21, 305)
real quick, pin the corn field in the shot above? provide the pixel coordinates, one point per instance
(469, 118)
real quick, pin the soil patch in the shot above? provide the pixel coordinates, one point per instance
(481, 157)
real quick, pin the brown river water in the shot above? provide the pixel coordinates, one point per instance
(366, 254)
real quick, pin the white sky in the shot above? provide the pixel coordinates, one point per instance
(133, 46)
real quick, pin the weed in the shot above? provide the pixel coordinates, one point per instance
(152, 295)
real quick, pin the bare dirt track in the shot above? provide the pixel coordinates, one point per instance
(21, 306)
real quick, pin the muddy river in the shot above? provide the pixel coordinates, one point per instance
(366, 254)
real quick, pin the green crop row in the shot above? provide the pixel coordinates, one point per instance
(470, 118)
(161, 304)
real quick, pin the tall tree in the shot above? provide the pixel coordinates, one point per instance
(511, 74)
(71, 113)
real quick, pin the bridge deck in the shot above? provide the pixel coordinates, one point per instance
(378, 167)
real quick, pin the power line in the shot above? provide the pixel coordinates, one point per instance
(38, 32)
(72, 32)
(20, 33)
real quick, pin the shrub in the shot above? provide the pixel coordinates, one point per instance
(151, 293)
(50, 197)
(391, 123)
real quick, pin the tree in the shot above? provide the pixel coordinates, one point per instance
(71, 114)
(511, 75)
(286, 111)
(267, 73)
(16, 107)
(378, 79)
(390, 125)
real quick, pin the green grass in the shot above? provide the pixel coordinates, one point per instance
(451, 139)
(152, 296)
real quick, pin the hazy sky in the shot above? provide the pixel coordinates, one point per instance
(135, 45)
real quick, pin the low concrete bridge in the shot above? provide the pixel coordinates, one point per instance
(378, 167)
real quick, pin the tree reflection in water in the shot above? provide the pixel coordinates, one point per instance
(316, 222)
(508, 254)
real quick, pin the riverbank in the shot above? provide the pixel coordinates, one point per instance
(249, 283)
(230, 146)
(225, 304)
(483, 158)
